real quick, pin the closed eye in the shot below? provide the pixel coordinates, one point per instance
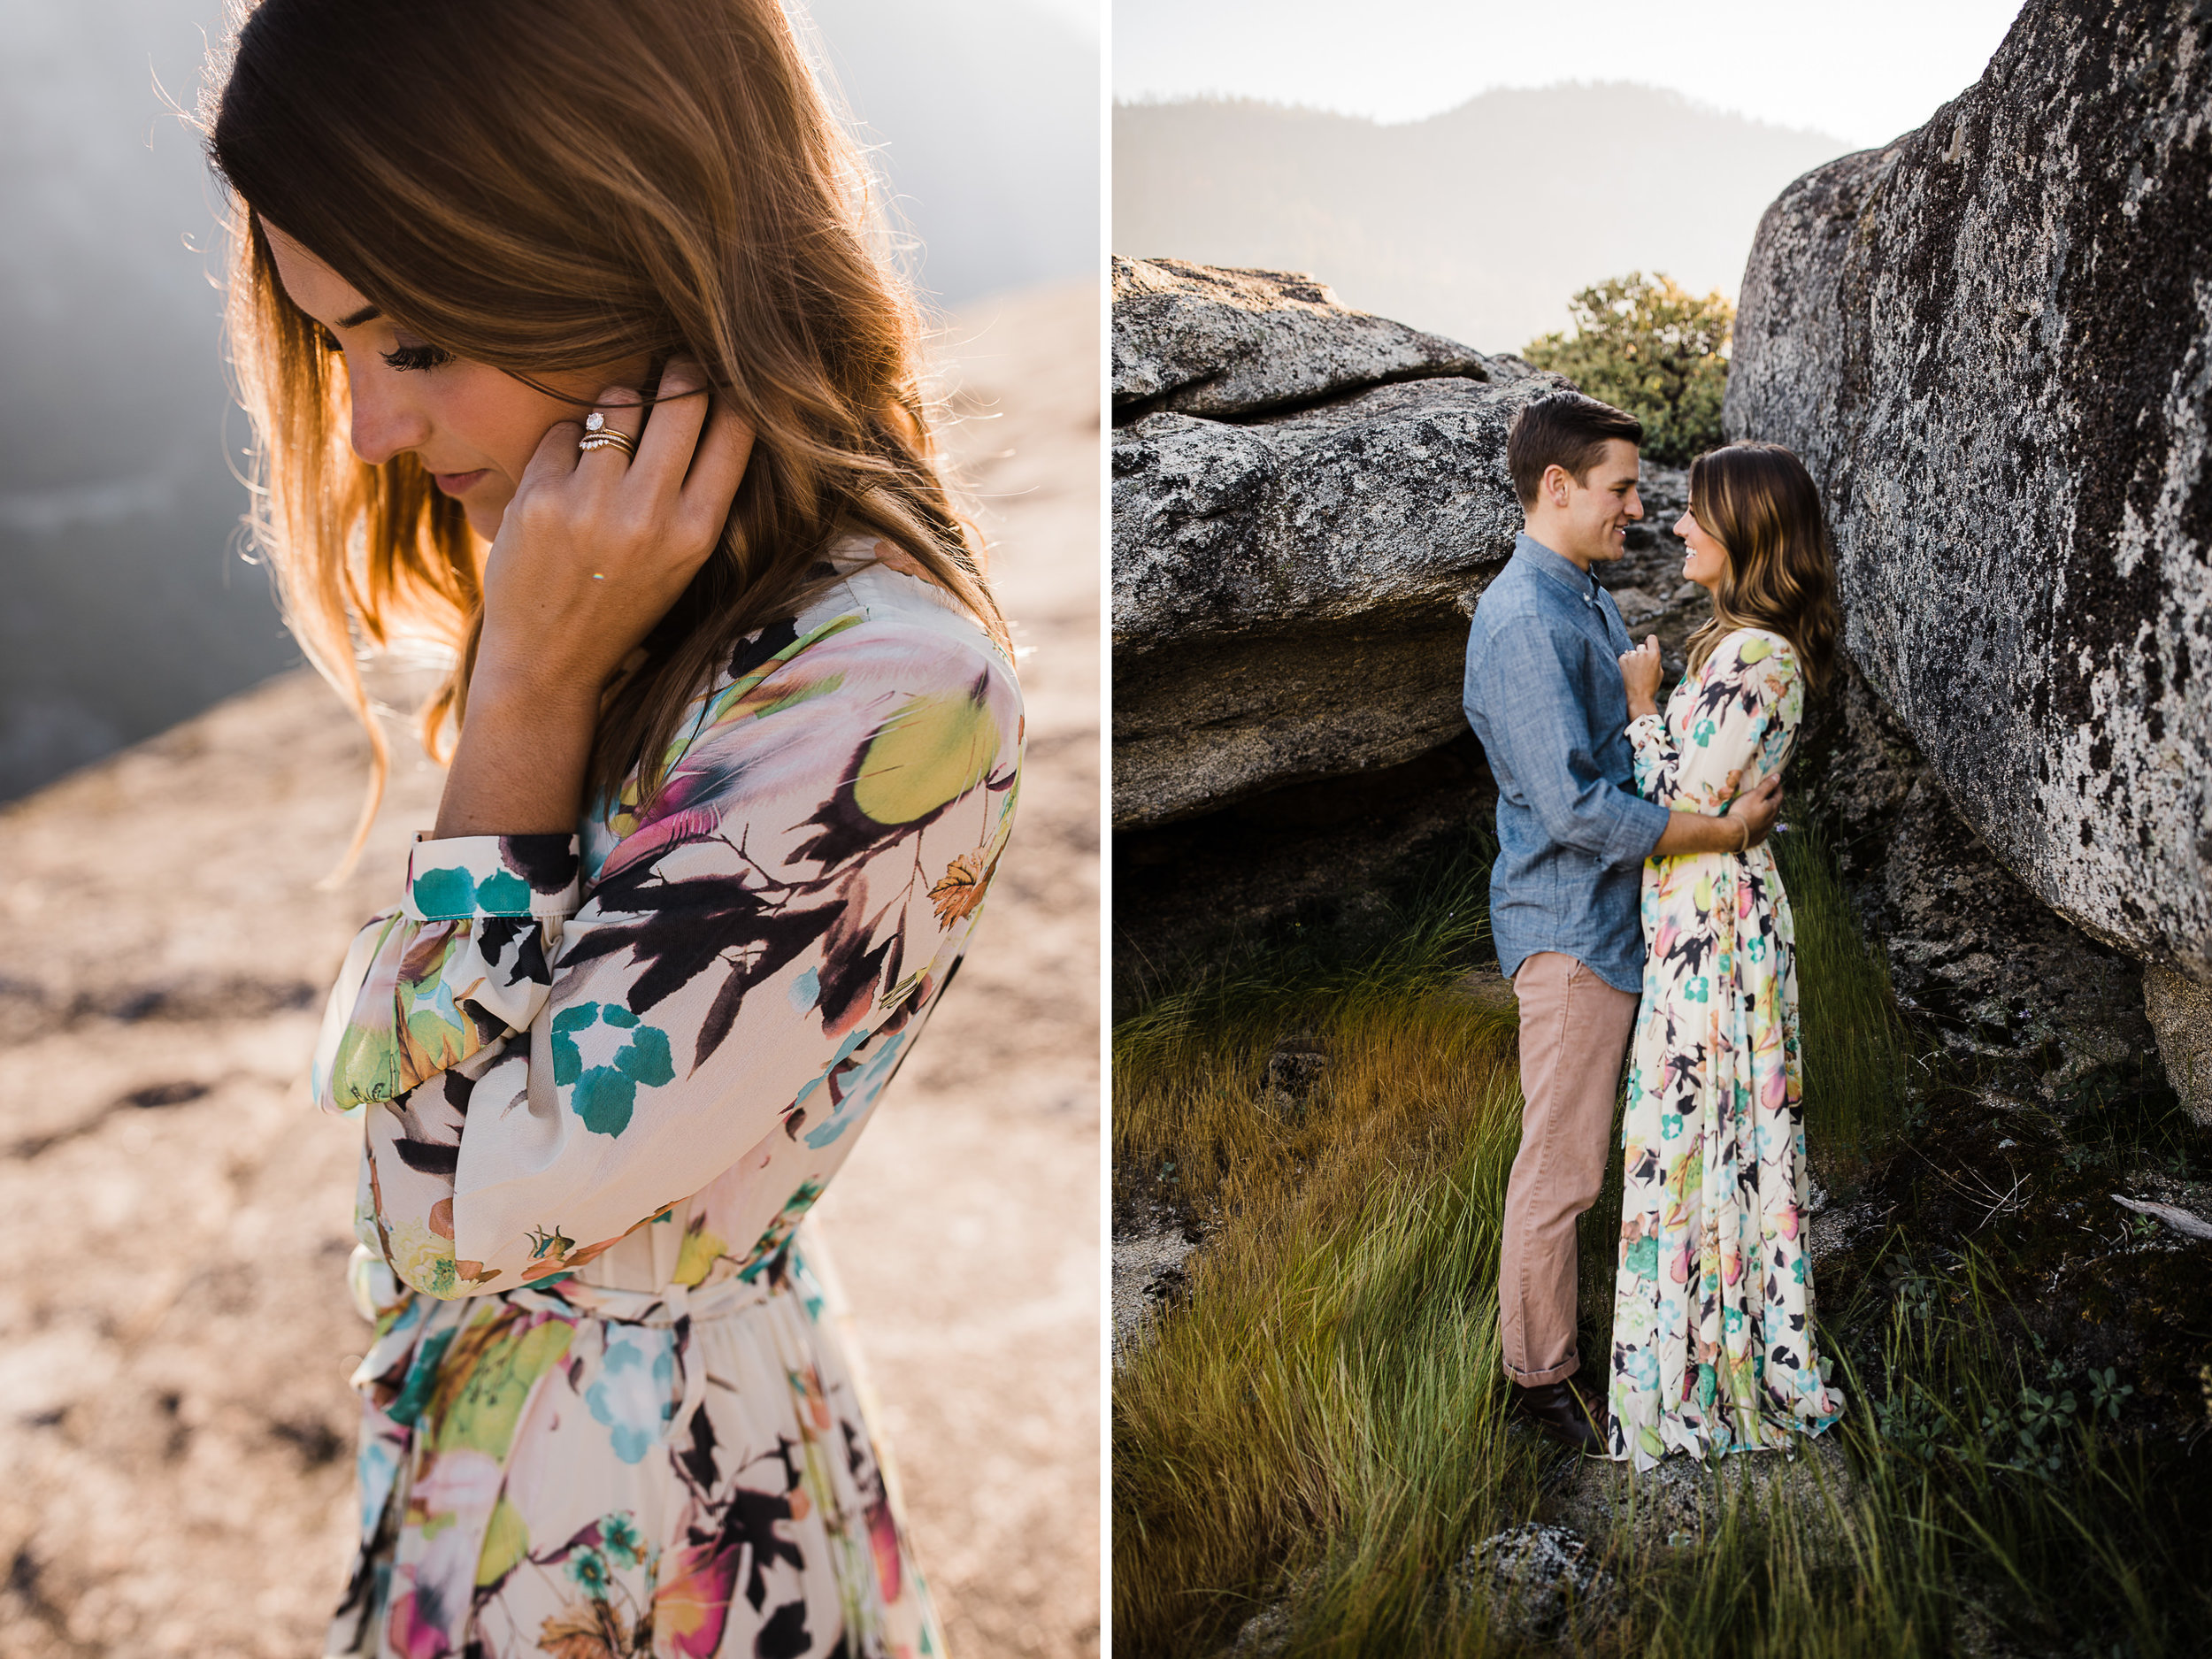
(410, 357)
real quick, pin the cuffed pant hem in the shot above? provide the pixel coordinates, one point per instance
(1559, 1372)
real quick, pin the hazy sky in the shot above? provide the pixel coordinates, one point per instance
(1865, 71)
(1080, 15)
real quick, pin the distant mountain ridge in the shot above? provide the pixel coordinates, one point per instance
(1477, 223)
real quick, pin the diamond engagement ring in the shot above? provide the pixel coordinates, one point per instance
(599, 435)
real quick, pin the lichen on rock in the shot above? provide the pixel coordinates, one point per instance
(1992, 344)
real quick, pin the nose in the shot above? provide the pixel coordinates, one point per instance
(386, 420)
(1635, 505)
(1682, 526)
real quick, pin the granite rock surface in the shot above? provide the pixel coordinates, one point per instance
(1292, 586)
(1208, 340)
(1992, 343)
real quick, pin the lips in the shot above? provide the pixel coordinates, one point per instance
(455, 483)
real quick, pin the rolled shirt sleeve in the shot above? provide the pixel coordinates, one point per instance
(1540, 737)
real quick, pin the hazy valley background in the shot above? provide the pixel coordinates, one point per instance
(124, 605)
(1478, 223)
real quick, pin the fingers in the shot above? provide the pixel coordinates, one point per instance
(1762, 807)
(618, 410)
(556, 455)
(680, 409)
(717, 467)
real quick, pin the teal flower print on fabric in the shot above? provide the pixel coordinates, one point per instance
(452, 894)
(634, 1394)
(588, 1569)
(604, 1095)
(619, 1537)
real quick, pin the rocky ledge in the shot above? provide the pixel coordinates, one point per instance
(1307, 501)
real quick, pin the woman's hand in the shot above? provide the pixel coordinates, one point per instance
(595, 547)
(1639, 676)
(590, 554)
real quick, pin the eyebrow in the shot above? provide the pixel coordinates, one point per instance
(367, 313)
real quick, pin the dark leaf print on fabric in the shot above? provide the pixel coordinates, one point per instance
(784, 1634)
(697, 1461)
(852, 968)
(685, 928)
(755, 651)
(752, 1532)
(547, 863)
(428, 1157)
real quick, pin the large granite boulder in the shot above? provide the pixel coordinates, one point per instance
(1213, 341)
(1307, 501)
(1992, 342)
(1973, 955)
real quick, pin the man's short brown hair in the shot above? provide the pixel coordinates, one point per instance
(1564, 430)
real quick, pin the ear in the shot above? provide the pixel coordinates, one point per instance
(1554, 484)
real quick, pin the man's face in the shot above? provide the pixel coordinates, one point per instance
(1591, 519)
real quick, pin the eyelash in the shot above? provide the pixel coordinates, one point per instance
(402, 358)
(409, 357)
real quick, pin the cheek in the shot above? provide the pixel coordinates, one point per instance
(496, 415)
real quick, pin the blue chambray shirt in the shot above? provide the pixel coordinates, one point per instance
(1543, 692)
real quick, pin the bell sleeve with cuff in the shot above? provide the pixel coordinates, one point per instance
(540, 1078)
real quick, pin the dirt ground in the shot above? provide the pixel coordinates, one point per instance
(175, 1428)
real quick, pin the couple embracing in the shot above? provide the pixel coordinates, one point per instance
(1638, 914)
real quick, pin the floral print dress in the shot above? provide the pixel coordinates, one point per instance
(607, 1410)
(1713, 1344)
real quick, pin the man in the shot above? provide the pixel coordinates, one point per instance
(1543, 692)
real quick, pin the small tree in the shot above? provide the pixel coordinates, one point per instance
(1642, 344)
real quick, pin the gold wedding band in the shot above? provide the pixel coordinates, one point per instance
(599, 435)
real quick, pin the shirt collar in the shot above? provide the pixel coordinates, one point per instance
(1563, 571)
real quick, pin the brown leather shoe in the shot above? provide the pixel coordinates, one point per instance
(1590, 1388)
(1559, 1411)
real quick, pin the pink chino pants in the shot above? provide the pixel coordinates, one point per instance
(1574, 1034)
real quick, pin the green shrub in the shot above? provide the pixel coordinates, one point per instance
(1642, 344)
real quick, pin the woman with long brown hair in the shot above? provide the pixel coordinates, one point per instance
(1713, 1347)
(569, 340)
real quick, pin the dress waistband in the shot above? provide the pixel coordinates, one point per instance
(669, 1304)
(377, 1291)
(414, 1331)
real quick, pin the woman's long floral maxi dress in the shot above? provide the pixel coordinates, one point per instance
(1713, 1303)
(607, 1412)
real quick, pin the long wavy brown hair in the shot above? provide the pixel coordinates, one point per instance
(545, 188)
(1759, 503)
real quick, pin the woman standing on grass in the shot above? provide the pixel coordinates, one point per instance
(592, 295)
(1713, 1345)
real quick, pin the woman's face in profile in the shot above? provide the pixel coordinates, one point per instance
(1707, 561)
(473, 426)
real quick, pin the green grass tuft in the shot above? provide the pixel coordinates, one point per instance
(1319, 1429)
